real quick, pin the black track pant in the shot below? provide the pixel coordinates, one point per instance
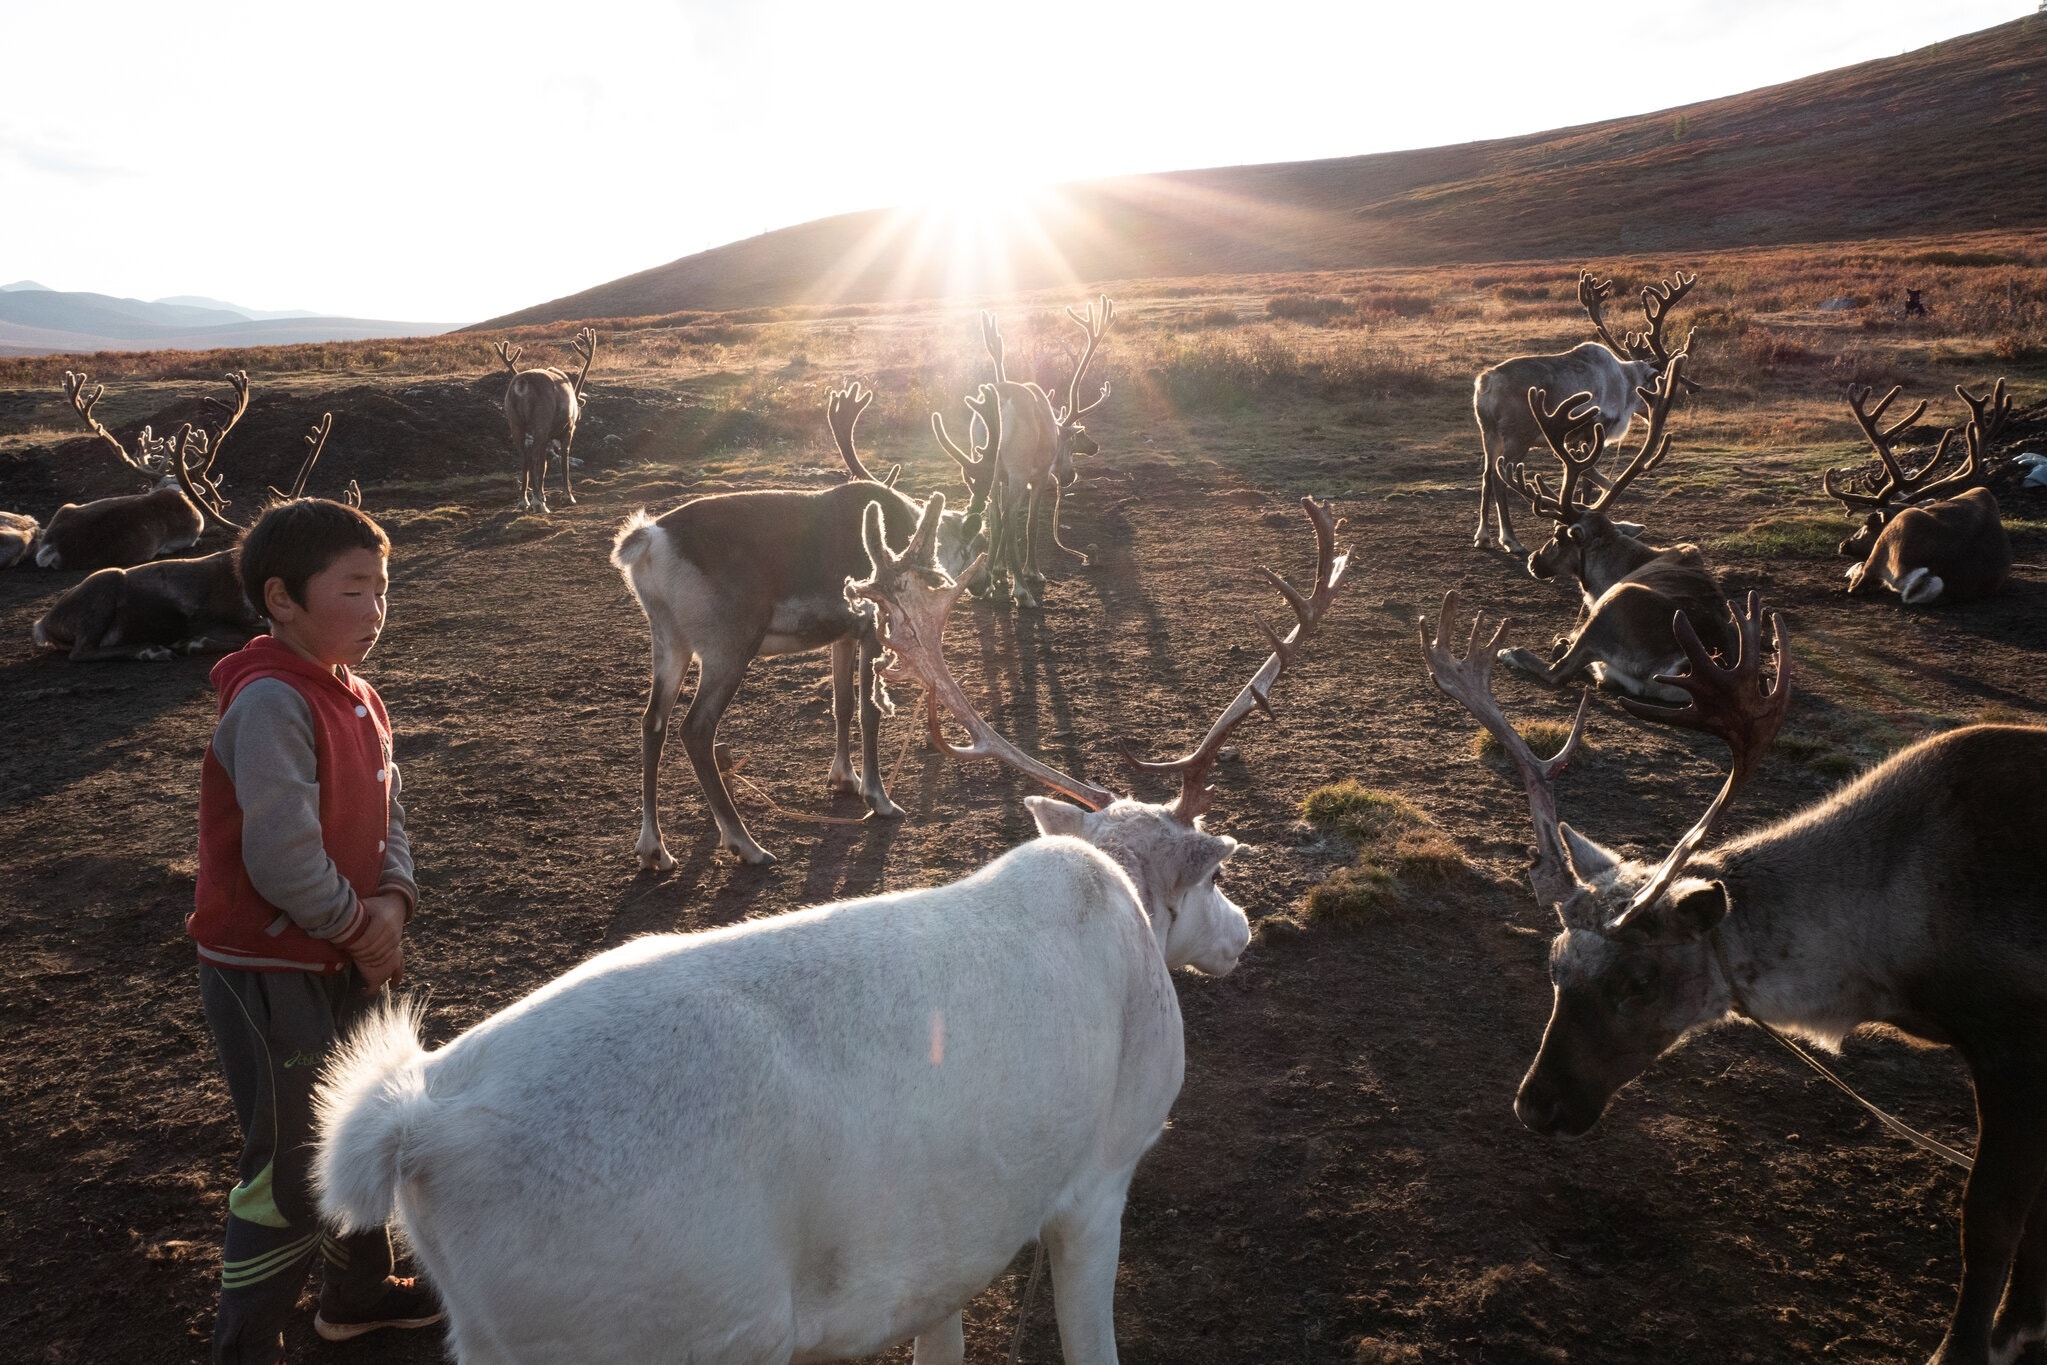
(273, 1030)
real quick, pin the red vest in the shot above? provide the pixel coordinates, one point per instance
(233, 925)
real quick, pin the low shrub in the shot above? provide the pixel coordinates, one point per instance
(1315, 308)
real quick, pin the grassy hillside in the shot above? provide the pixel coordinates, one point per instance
(1950, 138)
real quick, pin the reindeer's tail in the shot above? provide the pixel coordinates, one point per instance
(368, 1103)
(634, 539)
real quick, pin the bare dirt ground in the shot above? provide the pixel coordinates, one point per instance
(1343, 1179)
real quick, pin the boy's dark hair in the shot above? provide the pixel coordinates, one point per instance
(295, 540)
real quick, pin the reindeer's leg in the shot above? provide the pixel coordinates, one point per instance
(522, 447)
(945, 1344)
(1082, 1245)
(541, 454)
(871, 790)
(671, 662)
(1030, 583)
(2011, 1157)
(843, 780)
(2022, 1321)
(719, 673)
(568, 487)
(1488, 488)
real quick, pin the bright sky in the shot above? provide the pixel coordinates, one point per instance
(448, 162)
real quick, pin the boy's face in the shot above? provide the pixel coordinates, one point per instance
(342, 615)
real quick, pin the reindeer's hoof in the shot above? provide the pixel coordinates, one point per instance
(842, 784)
(156, 654)
(660, 860)
(749, 853)
(879, 803)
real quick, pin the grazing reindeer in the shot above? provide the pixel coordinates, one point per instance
(1611, 373)
(18, 533)
(1908, 899)
(1924, 538)
(541, 408)
(1628, 589)
(842, 414)
(962, 535)
(132, 528)
(818, 1133)
(730, 577)
(1039, 441)
(173, 606)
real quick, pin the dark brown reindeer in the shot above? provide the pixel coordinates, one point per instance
(131, 528)
(1038, 442)
(1909, 899)
(541, 409)
(1613, 374)
(1927, 539)
(173, 606)
(1629, 589)
(731, 577)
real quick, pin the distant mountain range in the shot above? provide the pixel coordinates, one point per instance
(39, 321)
(1950, 138)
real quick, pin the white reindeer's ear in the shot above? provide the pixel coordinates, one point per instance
(1589, 862)
(1057, 817)
(1631, 529)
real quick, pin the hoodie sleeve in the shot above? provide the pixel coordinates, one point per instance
(265, 742)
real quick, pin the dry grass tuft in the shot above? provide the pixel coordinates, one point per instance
(1400, 851)
(1546, 737)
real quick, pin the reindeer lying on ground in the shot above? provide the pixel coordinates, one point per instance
(1910, 899)
(173, 606)
(809, 1136)
(18, 533)
(1629, 589)
(732, 577)
(1927, 539)
(154, 612)
(1596, 369)
(541, 410)
(1039, 441)
(135, 527)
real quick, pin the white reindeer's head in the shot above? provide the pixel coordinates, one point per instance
(1174, 863)
(1177, 869)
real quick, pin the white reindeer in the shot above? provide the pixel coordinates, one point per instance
(810, 1136)
(1612, 373)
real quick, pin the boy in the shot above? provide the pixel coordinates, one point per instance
(305, 885)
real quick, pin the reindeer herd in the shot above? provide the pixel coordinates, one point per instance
(807, 1136)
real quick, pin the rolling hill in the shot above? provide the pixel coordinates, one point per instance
(1952, 137)
(39, 321)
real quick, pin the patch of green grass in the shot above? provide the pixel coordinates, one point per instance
(1399, 850)
(1359, 813)
(1796, 535)
(1997, 713)
(1546, 737)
